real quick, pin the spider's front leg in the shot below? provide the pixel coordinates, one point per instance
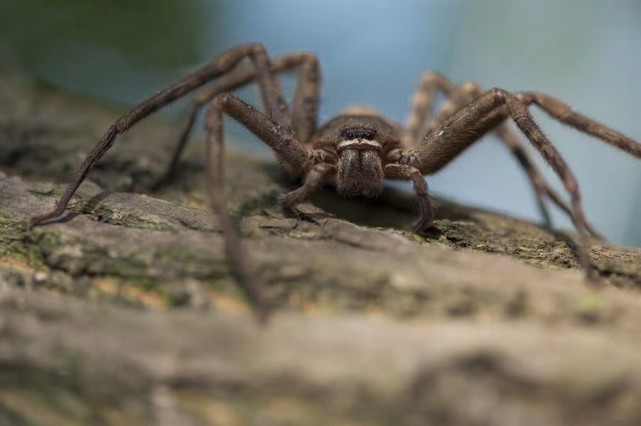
(269, 88)
(470, 91)
(447, 140)
(288, 150)
(421, 119)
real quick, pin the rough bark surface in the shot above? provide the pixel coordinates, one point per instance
(124, 313)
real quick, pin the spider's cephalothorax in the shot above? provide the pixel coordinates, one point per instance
(358, 149)
(360, 144)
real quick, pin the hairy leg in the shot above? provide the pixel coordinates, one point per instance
(304, 106)
(468, 92)
(313, 180)
(422, 119)
(562, 112)
(444, 142)
(270, 92)
(287, 149)
(406, 172)
(429, 86)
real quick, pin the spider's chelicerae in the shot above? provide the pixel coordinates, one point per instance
(358, 149)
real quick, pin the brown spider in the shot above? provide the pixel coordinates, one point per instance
(358, 149)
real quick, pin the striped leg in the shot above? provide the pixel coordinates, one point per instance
(430, 84)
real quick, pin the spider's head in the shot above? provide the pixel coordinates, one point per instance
(360, 167)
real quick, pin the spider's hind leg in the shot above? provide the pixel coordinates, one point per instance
(430, 85)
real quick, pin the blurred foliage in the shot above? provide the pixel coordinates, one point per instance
(149, 33)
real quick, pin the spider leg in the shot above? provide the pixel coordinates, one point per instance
(304, 107)
(430, 84)
(540, 185)
(270, 92)
(313, 180)
(422, 119)
(444, 142)
(562, 112)
(287, 148)
(470, 91)
(407, 172)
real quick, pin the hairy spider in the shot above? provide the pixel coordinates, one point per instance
(358, 149)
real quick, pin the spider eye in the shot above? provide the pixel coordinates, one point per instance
(358, 133)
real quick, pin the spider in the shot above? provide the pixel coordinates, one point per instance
(358, 149)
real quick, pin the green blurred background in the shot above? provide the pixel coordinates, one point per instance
(586, 52)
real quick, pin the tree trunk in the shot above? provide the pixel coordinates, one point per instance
(124, 312)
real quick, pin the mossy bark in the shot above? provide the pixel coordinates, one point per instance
(124, 313)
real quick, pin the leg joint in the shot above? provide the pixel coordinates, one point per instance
(470, 87)
(215, 109)
(431, 77)
(410, 158)
(219, 101)
(258, 49)
(310, 58)
(498, 94)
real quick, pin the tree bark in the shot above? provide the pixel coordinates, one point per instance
(124, 312)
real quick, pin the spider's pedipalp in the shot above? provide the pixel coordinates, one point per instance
(407, 172)
(313, 180)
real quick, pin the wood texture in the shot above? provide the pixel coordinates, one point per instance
(125, 314)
